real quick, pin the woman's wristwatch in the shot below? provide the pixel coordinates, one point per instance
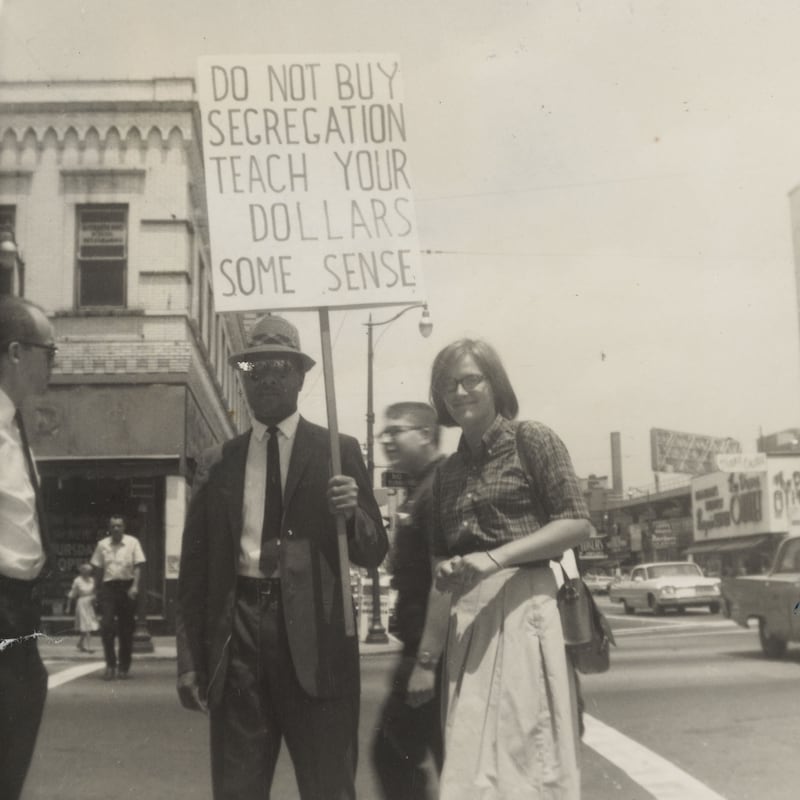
(426, 660)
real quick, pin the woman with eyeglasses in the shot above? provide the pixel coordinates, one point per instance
(506, 502)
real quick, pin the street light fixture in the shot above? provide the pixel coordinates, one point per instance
(377, 633)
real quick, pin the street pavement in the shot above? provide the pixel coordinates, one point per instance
(690, 710)
(64, 648)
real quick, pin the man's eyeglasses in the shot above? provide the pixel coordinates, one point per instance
(51, 349)
(468, 382)
(398, 430)
(259, 370)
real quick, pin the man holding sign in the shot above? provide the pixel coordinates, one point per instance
(262, 643)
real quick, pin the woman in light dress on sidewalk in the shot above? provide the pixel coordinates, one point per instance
(83, 592)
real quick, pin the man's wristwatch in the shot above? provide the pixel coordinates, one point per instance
(426, 660)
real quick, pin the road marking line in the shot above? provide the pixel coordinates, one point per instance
(677, 632)
(663, 779)
(71, 673)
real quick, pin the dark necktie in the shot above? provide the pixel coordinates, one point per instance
(273, 505)
(37, 491)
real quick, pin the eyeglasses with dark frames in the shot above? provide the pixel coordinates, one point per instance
(468, 382)
(51, 349)
(259, 370)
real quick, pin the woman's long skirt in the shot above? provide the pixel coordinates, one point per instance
(509, 703)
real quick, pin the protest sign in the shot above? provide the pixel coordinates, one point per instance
(308, 182)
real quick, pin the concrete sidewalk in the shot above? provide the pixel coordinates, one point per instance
(64, 648)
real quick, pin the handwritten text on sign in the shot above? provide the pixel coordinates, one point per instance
(308, 182)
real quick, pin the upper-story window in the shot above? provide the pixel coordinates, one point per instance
(102, 255)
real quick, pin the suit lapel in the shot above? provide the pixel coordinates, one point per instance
(232, 485)
(304, 448)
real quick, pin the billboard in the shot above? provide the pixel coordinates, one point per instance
(308, 182)
(676, 451)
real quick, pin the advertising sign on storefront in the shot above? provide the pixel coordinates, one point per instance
(729, 504)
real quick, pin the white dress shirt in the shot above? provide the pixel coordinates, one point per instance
(118, 560)
(21, 552)
(255, 487)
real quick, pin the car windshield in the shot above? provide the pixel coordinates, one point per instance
(671, 570)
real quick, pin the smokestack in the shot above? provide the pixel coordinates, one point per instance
(616, 464)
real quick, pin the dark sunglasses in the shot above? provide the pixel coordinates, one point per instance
(258, 370)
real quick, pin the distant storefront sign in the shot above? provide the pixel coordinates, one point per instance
(392, 479)
(731, 504)
(742, 462)
(662, 535)
(593, 548)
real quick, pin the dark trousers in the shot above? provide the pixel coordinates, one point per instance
(407, 751)
(23, 684)
(117, 619)
(263, 704)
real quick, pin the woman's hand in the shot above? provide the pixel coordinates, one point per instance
(465, 571)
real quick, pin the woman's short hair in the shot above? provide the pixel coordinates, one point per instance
(491, 367)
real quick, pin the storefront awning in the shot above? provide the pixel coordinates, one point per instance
(738, 544)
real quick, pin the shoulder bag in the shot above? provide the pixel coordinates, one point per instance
(587, 633)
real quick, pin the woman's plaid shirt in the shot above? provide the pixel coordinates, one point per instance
(500, 495)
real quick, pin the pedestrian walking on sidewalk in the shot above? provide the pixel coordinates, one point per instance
(509, 695)
(261, 638)
(27, 353)
(118, 560)
(84, 595)
(407, 749)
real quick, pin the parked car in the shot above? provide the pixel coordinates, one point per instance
(598, 582)
(773, 600)
(667, 584)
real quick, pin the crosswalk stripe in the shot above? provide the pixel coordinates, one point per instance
(655, 774)
(71, 673)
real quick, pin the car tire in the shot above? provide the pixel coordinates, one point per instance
(772, 646)
(657, 609)
(714, 608)
(628, 609)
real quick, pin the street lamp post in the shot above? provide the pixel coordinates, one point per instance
(377, 633)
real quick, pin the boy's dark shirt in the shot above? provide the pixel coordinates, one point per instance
(411, 559)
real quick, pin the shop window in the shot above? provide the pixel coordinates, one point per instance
(102, 255)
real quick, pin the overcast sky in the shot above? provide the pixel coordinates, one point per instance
(604, 186)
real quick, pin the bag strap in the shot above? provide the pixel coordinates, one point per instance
(538, 508)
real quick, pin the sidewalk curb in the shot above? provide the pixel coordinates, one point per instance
(64, 649)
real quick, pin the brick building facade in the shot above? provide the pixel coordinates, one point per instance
(102, 191)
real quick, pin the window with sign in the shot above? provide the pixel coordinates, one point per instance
(102, 255)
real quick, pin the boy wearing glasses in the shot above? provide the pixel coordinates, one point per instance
(27, 351)
(407, 750)
(261, 635)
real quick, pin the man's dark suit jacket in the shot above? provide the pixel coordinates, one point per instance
(325, 659)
